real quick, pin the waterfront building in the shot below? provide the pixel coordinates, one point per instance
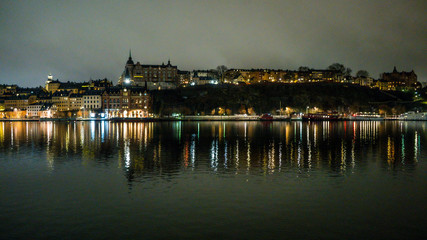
(162, 76)
(48, 110)
(92, 100)
(126, 102)
(60, 99)
(33, 110)
(19, 102)
(75, 102)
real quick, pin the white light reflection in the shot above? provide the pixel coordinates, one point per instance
(271, 153)
(280, 156)
(92, 130)
(403, 149)
(309, 146)
(225, 154)
(214, 155)
(193, 150)
(237, 155)
(353, 160)
(416, 146)
(127, 154)
(248, 157)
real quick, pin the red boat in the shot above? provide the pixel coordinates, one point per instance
(266, 117)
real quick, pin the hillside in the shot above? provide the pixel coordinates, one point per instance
(269, 97)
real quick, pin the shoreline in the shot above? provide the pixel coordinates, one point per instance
(204, 119)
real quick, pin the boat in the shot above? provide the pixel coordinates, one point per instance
(266, 117)
(366, 116)
(296, 117)
(320, 116)
(413, 116)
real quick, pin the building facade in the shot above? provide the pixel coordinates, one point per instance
(164, 76)
(91, 100)
(125, 102)
(398, 80)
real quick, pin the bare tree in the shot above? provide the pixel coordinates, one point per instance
(362, 73)
(303, 69)
(340, 68)
(221, 72)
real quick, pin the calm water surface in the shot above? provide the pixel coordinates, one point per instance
(213, 180)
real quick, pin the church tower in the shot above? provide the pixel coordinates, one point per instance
(127, 76)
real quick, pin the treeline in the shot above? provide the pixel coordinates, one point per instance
(271, 97)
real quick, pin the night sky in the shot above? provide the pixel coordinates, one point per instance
(79, 40)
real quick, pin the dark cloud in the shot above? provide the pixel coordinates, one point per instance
(78, 40)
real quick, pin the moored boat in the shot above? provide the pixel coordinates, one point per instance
(266, 117)
(321, 116)
(366, 116)
(413, 116)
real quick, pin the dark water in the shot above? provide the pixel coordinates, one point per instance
(213, 180)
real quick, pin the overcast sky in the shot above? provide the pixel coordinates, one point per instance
(79, 40)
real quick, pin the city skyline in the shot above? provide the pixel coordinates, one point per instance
(76, 41)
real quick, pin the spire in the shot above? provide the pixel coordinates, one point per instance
(394, 69)
(130, 61)
(169, 62)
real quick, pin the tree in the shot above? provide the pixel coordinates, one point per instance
(340, 68)
(221, 72)
(362, 73)
(303, 69)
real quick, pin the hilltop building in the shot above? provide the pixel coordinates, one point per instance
(398, 80)
(164, 76)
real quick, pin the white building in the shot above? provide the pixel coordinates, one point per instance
(92, 100)
(33, 110)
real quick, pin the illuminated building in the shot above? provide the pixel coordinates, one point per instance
(33, 110)
(164, 76)
(92, 100)
(19, 102)
(126, 102)
(251, 76)
(7, 90)
(202, 77)
(60, 99)
(364, 81)
(37, 110)
(398, 80)
(52, 85)
(184, 77)
(75, 102)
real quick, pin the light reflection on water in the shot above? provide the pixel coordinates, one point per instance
(312, 166)
(231, 146)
